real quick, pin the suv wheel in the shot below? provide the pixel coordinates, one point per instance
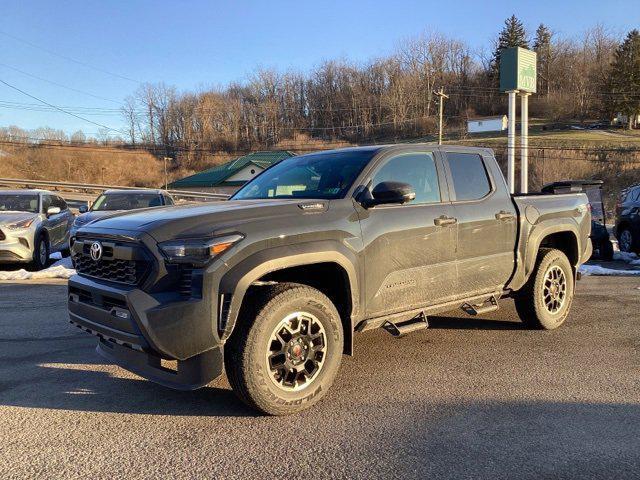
(286, 349)
(40, 253)
(545, 300)
(625, 240)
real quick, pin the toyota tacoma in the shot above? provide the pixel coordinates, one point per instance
(273, 284)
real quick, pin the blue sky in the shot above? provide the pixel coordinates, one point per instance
(196, 44)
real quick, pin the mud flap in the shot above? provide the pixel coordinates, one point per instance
(191, 374)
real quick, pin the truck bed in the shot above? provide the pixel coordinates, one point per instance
(540, 215)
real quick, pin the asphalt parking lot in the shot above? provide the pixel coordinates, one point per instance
(467, 398)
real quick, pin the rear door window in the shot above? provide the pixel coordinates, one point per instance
(469, 176)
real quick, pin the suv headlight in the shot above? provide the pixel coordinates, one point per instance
(197, 251)
(22, 224)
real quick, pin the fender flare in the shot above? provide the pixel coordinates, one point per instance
(239, 278)
(539, 233)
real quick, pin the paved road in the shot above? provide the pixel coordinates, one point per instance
(467, 398)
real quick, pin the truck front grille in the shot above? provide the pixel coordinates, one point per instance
(121, 262)
(121, 271)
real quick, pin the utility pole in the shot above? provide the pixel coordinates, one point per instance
(166, 178)
(440, 94)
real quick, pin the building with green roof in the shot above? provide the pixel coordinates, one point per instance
(230, 176)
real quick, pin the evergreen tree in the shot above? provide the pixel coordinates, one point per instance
(542, 46)
(513, 34)
(625, 77)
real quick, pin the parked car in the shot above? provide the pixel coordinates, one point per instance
(627, 228)
(112, 201)
(602, 246)
(274, 283)
(33, 225)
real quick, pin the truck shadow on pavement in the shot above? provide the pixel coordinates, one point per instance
(66, 373)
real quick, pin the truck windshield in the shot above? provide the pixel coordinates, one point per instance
(126, 201)
(319, 175)
(19, 203)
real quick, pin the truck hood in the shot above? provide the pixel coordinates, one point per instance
(9, 217)
(203, 219)
(88, 217)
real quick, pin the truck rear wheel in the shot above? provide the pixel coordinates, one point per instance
(545, 300)
(286, 349)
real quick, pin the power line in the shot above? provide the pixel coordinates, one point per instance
(145, 147)
(60, 109)
(58, 84)
(84, 64)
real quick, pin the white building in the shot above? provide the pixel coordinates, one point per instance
(487, 124)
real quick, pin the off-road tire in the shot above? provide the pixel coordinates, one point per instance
(632, 242)
(530, 300)
(37, 263)
(246, 350)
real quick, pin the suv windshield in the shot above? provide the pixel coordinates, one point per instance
(19, 203)
(318, 175)
(126, 201)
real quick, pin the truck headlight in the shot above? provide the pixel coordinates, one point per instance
(22, 224)
(198, 251)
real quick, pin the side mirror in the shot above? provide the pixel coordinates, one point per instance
(390, 192)
(83, 209)
(53, 211)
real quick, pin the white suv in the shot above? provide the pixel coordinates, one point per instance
(33, 225)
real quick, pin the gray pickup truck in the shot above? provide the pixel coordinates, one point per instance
(273, 284)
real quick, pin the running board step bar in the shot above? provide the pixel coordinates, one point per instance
(490, 305)
(402, 328)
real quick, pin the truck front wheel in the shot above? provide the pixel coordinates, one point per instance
(545, 300)
(286, 348)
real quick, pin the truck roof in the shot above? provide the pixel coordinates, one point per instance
(391, 146)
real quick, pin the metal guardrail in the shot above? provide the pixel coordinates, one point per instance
(86, 187)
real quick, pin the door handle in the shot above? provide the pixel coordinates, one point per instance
(443, 221)
(502, 215)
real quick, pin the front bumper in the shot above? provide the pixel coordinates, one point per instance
(17, 246)
(138, 331)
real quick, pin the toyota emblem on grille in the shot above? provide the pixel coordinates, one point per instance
(96, 251)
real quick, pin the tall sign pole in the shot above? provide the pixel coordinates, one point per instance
(524, 142)
(518, 75)
(511, 141)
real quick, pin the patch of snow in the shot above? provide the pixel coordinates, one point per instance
(62, 268)
(625, 256)
(600, 270)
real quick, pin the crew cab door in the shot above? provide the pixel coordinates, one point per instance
(486, 221)
(409, 249)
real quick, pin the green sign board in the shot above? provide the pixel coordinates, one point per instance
(518, 70)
